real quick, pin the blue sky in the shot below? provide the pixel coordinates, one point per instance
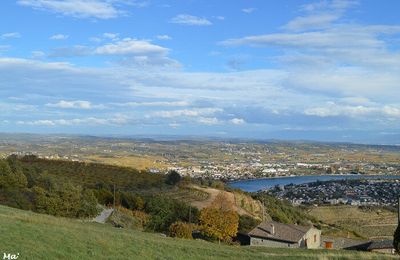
(320, 70)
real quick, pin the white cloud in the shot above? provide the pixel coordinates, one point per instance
(360, 111)
(246, 97)
(190, 20)
(76, 8)
(248, 10)
(338, 5)
(154, 104)
(130, 52)
(78, 104)
(130, 46)
(199, 112)
(92, 121)
(312, 22)
(237, 121)
(164, 37)
(59, 37)
(11, 35)
(111, 36)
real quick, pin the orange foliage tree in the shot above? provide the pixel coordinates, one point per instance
(218, 223)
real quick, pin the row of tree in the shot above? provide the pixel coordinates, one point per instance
(44, 193)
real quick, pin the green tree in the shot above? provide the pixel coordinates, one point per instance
(88, 205)
(10, 179)
(46, 202)
(70, 196)
(173, 178)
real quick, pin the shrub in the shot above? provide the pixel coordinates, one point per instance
(181, 230)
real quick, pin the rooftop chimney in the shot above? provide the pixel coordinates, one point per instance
(272, 229)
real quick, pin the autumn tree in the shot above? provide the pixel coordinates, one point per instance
(181, 230)
(218, 223)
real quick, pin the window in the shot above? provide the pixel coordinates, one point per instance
(315, 238)
(305, 242)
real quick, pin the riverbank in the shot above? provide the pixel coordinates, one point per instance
(253, 185)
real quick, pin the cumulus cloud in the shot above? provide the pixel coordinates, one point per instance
(187, 19)
(129, 52)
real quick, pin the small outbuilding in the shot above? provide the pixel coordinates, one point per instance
(275, 234)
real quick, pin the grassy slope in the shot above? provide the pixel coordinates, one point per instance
(36, 236)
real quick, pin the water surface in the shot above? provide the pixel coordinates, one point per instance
(261, 184)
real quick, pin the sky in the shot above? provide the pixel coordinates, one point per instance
(287, 69)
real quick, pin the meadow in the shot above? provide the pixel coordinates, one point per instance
(37, 236)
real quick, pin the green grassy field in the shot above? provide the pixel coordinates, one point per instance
(36, 236)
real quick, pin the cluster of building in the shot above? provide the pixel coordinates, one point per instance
(255, 169)
(379, 192)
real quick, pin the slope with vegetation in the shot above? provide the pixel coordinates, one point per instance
(37, 236)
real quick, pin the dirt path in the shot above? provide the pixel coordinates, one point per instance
(213, 193)
(102, 217)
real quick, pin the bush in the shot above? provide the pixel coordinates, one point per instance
(181, 230)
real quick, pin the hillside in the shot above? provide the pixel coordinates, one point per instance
(36, 236)
(369, 223)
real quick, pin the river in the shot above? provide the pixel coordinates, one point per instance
(261, 184)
